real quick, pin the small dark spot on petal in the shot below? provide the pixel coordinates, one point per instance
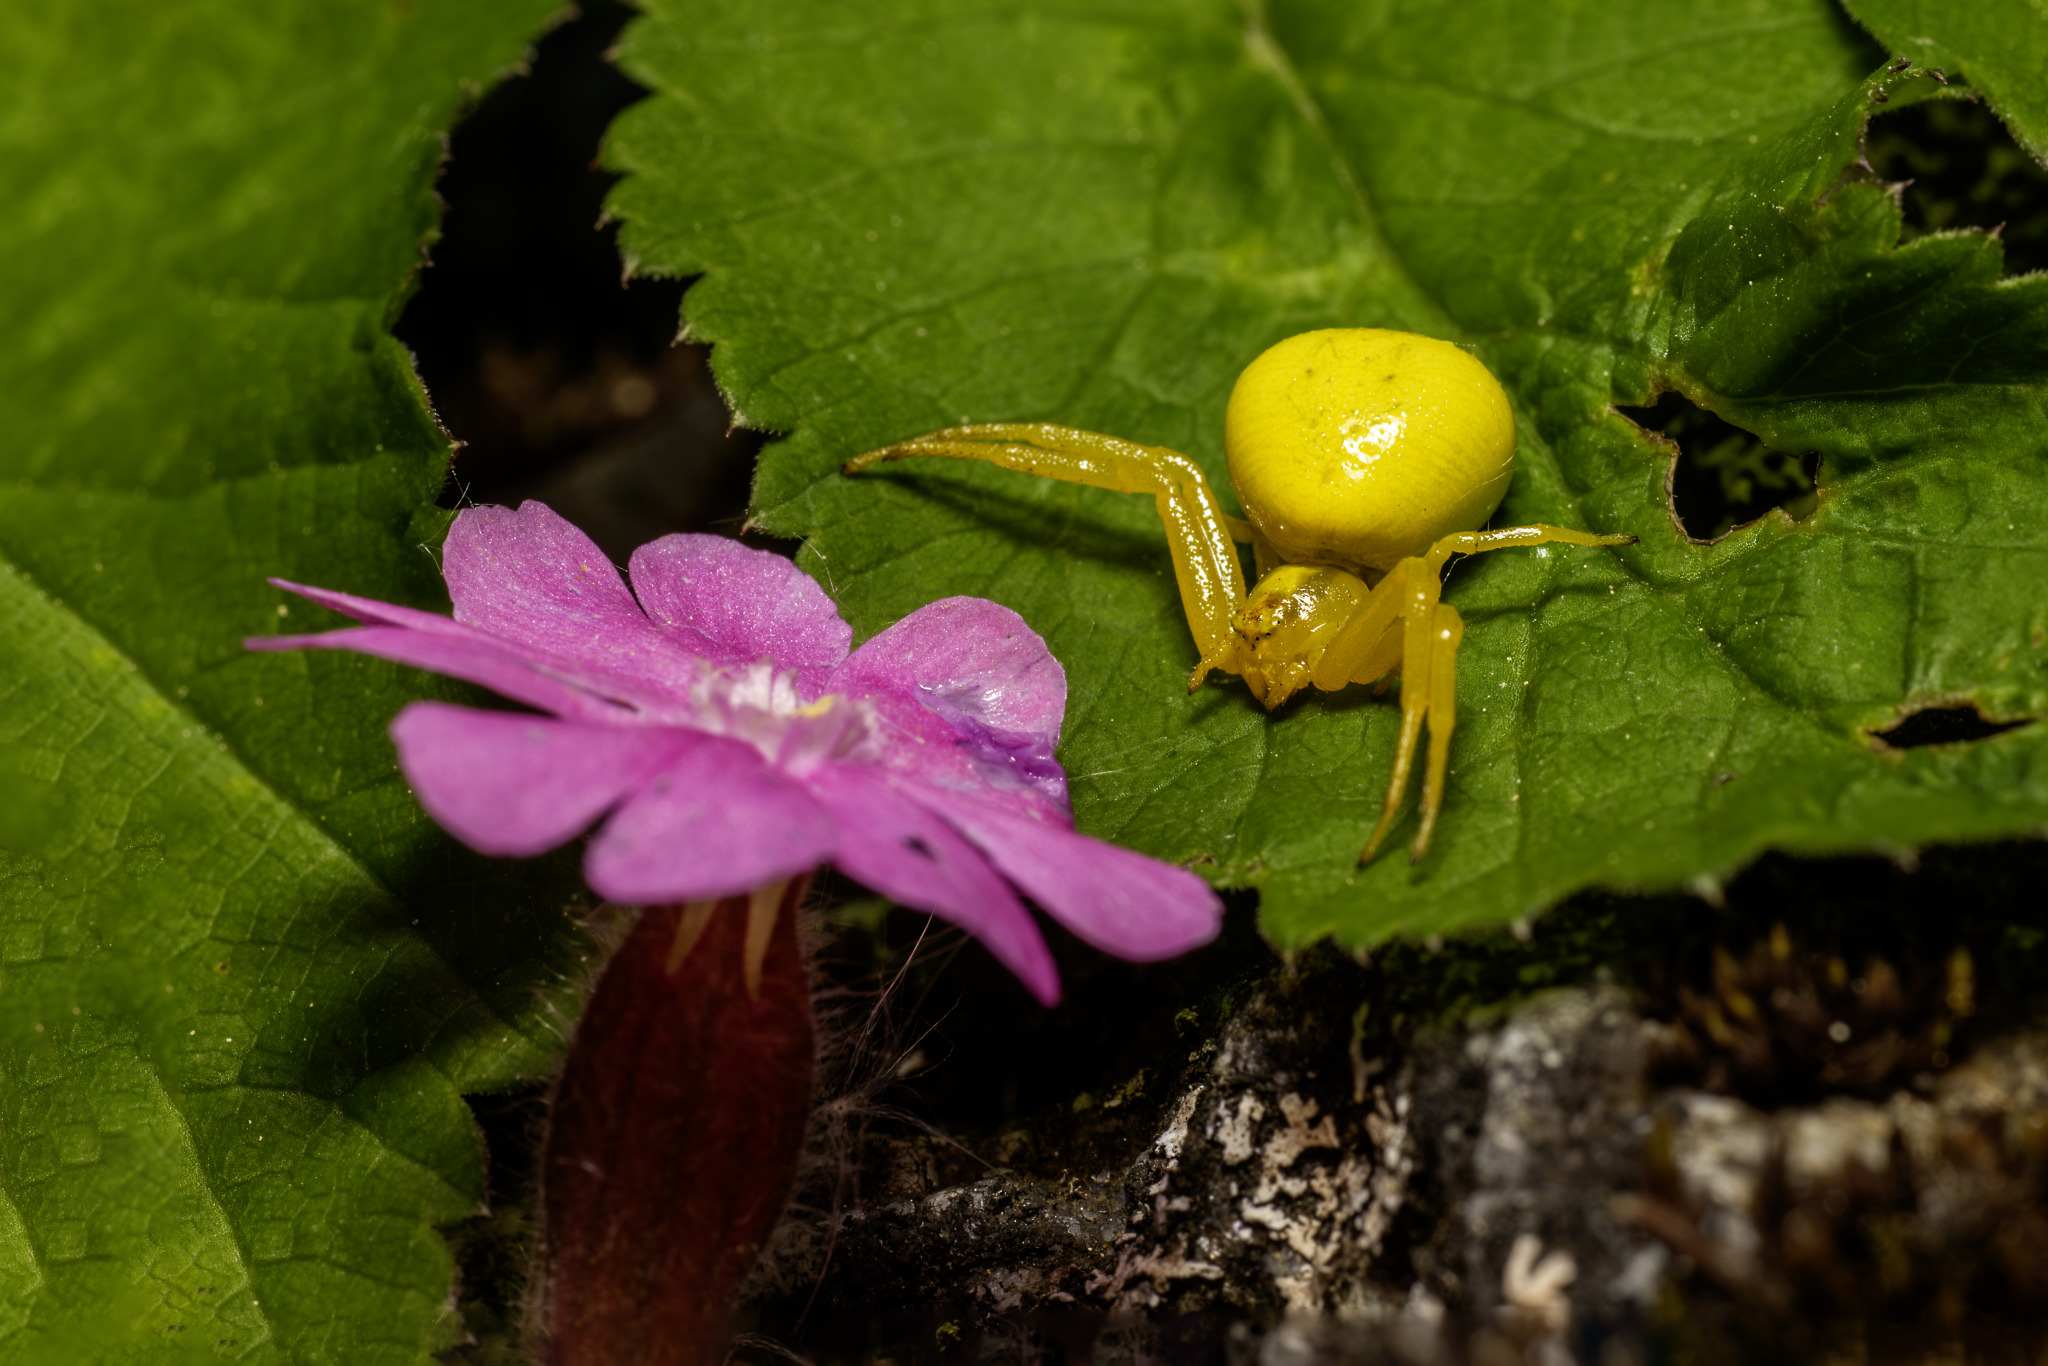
(918, 846)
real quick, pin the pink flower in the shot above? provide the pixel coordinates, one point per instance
(726, 738)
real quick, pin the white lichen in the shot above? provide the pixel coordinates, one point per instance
(1534, 1289)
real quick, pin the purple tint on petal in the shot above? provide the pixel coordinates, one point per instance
(895, 846)
(1006, 758)
(971, 657)
(738, 604)
(471, 656)
(1120, 902)
(509, 784)
(533, 579)
(981, 670)
(957, 754)
(716, 822)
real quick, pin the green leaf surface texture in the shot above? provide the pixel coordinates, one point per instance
(1097, 214)
(1999, 46)
(244, 982)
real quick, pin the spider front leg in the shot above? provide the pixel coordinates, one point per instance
(1403, 623)
(1199, 535)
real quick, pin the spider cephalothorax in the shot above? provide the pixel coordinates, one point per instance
(1364, 459)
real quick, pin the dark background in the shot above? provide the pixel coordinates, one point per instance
(559, 378)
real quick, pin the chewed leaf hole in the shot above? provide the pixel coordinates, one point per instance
(1941, 726)
(1965, 171)
(1725, 476)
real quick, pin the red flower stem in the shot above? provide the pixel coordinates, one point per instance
(673, 1140)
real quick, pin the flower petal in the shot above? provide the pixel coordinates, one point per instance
(715, 822)
(967, 657)
(510, 784)
(986, 678)
(533, 579)
(892, 844)
(374, 612)
(1119, 901)
(470, 655)
(736, 604)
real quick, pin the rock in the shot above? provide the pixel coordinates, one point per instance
(1270, 1175)
(1534, 1121)
(1924, 1205)
(1510, 1190)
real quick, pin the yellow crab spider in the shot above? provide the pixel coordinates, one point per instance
(1364, 460)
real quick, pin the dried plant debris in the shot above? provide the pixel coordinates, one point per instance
(1914, 1227)
(1779, 1025)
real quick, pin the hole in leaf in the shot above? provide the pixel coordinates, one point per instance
(559, 380)
(1724, 476)
(1941, 726)
(1965, 172)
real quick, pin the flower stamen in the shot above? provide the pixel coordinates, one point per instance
(819, 707)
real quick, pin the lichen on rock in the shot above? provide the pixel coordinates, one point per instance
(1314, 1185)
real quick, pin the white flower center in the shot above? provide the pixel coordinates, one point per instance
(761, 706)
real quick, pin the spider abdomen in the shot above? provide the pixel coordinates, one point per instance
(1360, 446)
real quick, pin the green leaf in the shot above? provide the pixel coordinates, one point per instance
(1096, 215)
(2000, 46)
(243, 982)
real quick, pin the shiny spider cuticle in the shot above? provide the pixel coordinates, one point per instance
(1364, 460)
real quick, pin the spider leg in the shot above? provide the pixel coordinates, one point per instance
(1447, 628)
(1430, 633)
(1204, 556)
(1536, 533)
(1412, 593)
(1368, 646)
